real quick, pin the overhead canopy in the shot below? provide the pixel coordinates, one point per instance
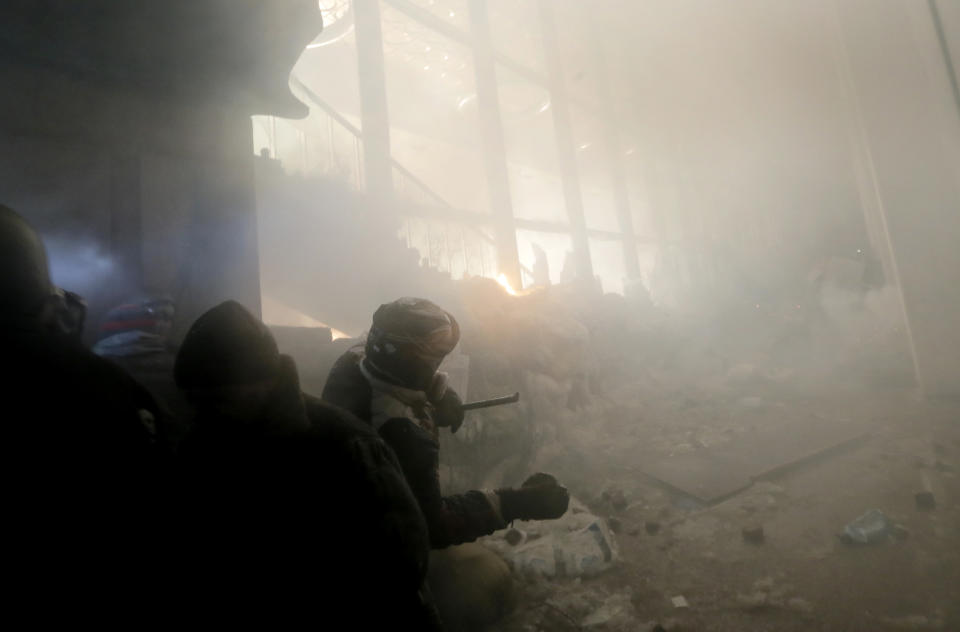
(234, 52)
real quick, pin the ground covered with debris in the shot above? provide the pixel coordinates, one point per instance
(713, 476)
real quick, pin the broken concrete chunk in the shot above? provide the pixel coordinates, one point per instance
(753, 534)
(615, 497)
(679, 602)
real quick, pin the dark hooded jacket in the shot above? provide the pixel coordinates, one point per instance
(307, 521)
(84, 483)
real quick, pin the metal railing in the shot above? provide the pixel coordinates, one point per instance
(448, 239)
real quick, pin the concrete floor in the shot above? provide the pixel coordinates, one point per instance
(801, 577)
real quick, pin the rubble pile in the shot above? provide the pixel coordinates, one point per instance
(608, 384)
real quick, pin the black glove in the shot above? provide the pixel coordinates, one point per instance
(540, 497)
(448, 410)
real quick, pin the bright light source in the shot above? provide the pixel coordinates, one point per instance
(337, 22)
(502, 280)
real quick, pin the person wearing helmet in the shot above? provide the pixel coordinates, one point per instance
(83, 479)
(393, 382)
(296, 509)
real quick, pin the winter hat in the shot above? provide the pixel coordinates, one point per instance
(226, 346)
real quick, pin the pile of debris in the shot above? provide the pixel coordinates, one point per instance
(580, 544)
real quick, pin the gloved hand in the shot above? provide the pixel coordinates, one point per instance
(448, 410)
(540, 497)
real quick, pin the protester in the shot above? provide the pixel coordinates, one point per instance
(294, 507)
(83, 476)
(393, 383)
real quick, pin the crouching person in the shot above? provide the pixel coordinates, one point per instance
(393, 383)
(294, 511)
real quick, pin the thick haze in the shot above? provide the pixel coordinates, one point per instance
(763, 143)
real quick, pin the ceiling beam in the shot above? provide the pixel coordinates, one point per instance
(431, 21)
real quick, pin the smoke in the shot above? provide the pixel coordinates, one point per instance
(79, 265)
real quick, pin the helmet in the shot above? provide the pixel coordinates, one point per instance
(25, 286)
(409, 339)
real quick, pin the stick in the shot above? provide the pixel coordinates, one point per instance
(496, 401)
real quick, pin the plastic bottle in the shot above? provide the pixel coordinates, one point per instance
(873, 526)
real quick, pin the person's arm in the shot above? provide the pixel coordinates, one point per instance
(399, 543)
(347, 388)
(451, 519)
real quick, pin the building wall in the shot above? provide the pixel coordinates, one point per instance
(131, 193)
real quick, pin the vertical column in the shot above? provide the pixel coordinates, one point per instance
(216, 201)
(866, 176)
(494, 152)
(912, 154)
(945, 51)
(861, 160)
(565, 143)
(614, 153)
(374, 116)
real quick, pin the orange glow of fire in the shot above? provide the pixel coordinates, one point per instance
(502, 280)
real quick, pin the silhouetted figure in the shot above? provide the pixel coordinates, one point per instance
(296, 510)
(393, 383)
(541, 266)
(83, 482)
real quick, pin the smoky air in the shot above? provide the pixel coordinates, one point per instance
(482, 315)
